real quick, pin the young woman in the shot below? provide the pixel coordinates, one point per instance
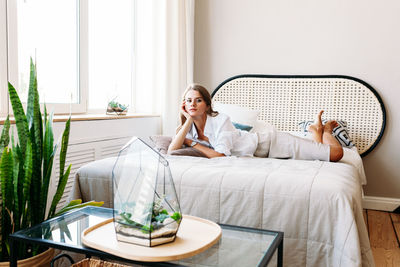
(214, 134)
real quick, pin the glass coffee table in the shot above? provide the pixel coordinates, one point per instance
(238, 246)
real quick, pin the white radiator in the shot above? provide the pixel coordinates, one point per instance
(94, 140)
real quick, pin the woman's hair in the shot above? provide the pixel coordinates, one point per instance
(206, 97)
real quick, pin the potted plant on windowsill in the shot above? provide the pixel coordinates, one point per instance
(25, 171)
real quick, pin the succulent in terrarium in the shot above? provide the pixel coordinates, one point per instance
(116, 107)
(159, 217)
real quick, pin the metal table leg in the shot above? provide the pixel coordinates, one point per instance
(13, 252)
(280, 254)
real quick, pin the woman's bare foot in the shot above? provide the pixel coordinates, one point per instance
(317, 129)
(330, 125)
(336, 150)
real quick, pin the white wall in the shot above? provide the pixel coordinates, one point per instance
(359, 38)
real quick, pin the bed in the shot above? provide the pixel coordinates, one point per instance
(318, 205)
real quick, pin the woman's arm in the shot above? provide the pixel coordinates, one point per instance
(179, 138)
(209, 152)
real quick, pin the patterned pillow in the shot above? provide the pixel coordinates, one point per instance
(340, 132)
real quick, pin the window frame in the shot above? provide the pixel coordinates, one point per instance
(3, 58)
(9, 54)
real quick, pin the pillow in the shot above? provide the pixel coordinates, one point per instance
(262, 127)
(242, 126)
(161, 143)
(304, 125)
(237, 114)
(188, 151)
(340, 132)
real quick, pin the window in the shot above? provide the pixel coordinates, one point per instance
(111, 52)
(83, 50)
(46, 31)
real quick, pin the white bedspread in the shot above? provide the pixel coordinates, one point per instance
(316, 204)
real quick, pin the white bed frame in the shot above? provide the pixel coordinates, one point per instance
(284, 101)
(316, 204)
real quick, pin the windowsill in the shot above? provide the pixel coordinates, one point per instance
(91, 117)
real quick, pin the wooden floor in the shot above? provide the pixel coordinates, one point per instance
(384, 235)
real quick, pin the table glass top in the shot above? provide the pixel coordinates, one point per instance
(237, 246)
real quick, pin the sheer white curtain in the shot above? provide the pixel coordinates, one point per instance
(164, 57)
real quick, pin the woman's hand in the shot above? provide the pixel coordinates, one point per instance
(180, 137)
(187, 142)
(202, 136)
(184, 112)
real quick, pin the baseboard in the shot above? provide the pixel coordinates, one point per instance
(380, 203)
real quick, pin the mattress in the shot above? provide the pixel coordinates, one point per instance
(316, 204)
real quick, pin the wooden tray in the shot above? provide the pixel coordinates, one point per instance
(195, 235)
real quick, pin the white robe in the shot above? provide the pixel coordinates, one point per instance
(225, 138)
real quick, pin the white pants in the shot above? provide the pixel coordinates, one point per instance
(282, 145)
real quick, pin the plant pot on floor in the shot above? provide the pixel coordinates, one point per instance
(41, 260)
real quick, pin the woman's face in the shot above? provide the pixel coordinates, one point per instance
(195, 104)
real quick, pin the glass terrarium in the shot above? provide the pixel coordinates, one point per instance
(146, 207)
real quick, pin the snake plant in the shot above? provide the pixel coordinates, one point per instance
(26, 167)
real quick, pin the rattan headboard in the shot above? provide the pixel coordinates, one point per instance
(284, 101)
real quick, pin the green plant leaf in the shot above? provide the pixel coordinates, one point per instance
(16, 195)
(7, 246)
(27, 183)
(6, 172)
(1, 226)
(60, 190)
(48, 157)
(63, 176)
(31, 92)
(127, 218)
(5, 135)
(45, 185)
(48, 143)
(36, 182)
(72, 203)
(146, 229)
(45, 115)
(176, 216)
(20, 180)
(37, 120)
(6, 182)
(64, 145)
(20, 118)
(33, 113)
(77, 206)
(36, 135)
(164, 211)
